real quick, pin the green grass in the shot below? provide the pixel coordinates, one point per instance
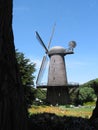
(83, 111)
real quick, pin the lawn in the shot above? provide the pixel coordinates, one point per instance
(82, 111)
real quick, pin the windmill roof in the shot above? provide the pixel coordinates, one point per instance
(57, 49)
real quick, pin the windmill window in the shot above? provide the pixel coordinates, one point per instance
(53, 78)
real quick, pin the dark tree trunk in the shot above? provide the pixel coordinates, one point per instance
(95, 112)
(13, 114)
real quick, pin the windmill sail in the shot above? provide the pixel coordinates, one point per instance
(44, 60)
(41, 41)
(51, 36)
(42, 69)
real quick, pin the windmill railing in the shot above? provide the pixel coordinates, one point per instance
(75, 84)
(70, 84)
(41, 85)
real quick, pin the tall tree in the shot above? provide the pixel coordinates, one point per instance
(13, 114)
(27, 69)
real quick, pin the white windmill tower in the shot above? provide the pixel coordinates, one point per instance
(57, 85)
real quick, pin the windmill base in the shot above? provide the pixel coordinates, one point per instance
(58, 95)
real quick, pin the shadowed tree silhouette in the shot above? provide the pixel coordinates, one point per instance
(95, 111)
(13, 113)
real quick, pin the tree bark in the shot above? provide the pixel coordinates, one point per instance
(95, 112)
(13, 113)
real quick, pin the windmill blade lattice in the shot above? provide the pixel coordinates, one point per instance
(42, 69)
(51, 36)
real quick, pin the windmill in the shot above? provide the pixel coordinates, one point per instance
(44, 60)
(57, 86)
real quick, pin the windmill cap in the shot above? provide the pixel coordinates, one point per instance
(56, 50)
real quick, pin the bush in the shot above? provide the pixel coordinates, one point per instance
(86, 94)
(89, 103)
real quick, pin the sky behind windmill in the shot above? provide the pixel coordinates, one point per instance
(75, 20)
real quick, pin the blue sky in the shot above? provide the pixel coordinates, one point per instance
(75, 20)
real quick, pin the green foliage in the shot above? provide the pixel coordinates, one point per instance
(27, 69)
(40, 97)
(91, 104)
(30, 95)
(88, 91)
(41, 94)
(73, 92)
(92, 83)
(86, 94)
